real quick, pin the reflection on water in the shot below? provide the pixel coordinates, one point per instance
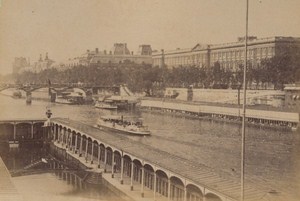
(49, 186)
(39, 176)
(272, 156)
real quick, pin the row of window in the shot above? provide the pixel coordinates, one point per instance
(265, 51)
(260, 53)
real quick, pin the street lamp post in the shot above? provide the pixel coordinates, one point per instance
(244, 108)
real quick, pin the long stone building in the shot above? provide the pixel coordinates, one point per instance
(229, 55)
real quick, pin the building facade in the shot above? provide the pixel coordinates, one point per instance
(229, 55)
(118, 54)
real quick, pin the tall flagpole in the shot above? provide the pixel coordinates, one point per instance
(244, 108)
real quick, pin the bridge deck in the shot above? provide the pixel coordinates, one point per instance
(190, 170)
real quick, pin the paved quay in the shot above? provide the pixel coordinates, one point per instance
(8, 191)
(189, 171)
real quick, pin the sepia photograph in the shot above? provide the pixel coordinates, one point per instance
(149, 100)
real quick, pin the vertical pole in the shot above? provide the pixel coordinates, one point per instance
(122, 167)
(169, 189)
(76, 142)
(154, 186)
(80, 148)
(71, 141)
(112, 163)
(142, 187)
(67, 139)
(185, 193)
(92, 155)
(99, 152)
(244, 109)
(58, 134)
(15, 131)
(63, 135)
(32, 130)
(105, 158)
(131, 176)
(86, 149)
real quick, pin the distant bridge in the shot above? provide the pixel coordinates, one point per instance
(62, 87)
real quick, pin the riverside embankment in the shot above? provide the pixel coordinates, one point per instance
(288, 120)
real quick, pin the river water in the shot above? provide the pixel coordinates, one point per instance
(272, 156)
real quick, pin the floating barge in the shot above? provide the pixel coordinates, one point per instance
(258, 117)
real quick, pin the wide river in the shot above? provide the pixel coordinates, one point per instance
(272, 156)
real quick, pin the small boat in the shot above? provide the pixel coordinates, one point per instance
(69, 98)
(63, 100)
(17, 94)
(128, 125)
(103, 105)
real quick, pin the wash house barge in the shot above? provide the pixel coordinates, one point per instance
(166, 176)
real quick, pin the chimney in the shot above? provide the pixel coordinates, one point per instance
(88, 51)
(97, 50)
(46, 57)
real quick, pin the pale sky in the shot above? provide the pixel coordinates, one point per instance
(67, 28)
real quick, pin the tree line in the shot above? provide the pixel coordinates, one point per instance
(278, 70)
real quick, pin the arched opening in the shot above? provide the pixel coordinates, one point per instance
(109, 156)
(137, 171)
(68, 137)
(6, 132)
(117, 158)
(59, 132)
(149, 176)
(23, 131)
(162, 183)
(77, 146)
(177, 189)
(89, 148)
(64, 135)
(212, 197)
(127, 165)
(102, 152)
(83, 147)
(73, 141)
(55, 130)
(193, 193)
(38, 130)
(95, 150)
